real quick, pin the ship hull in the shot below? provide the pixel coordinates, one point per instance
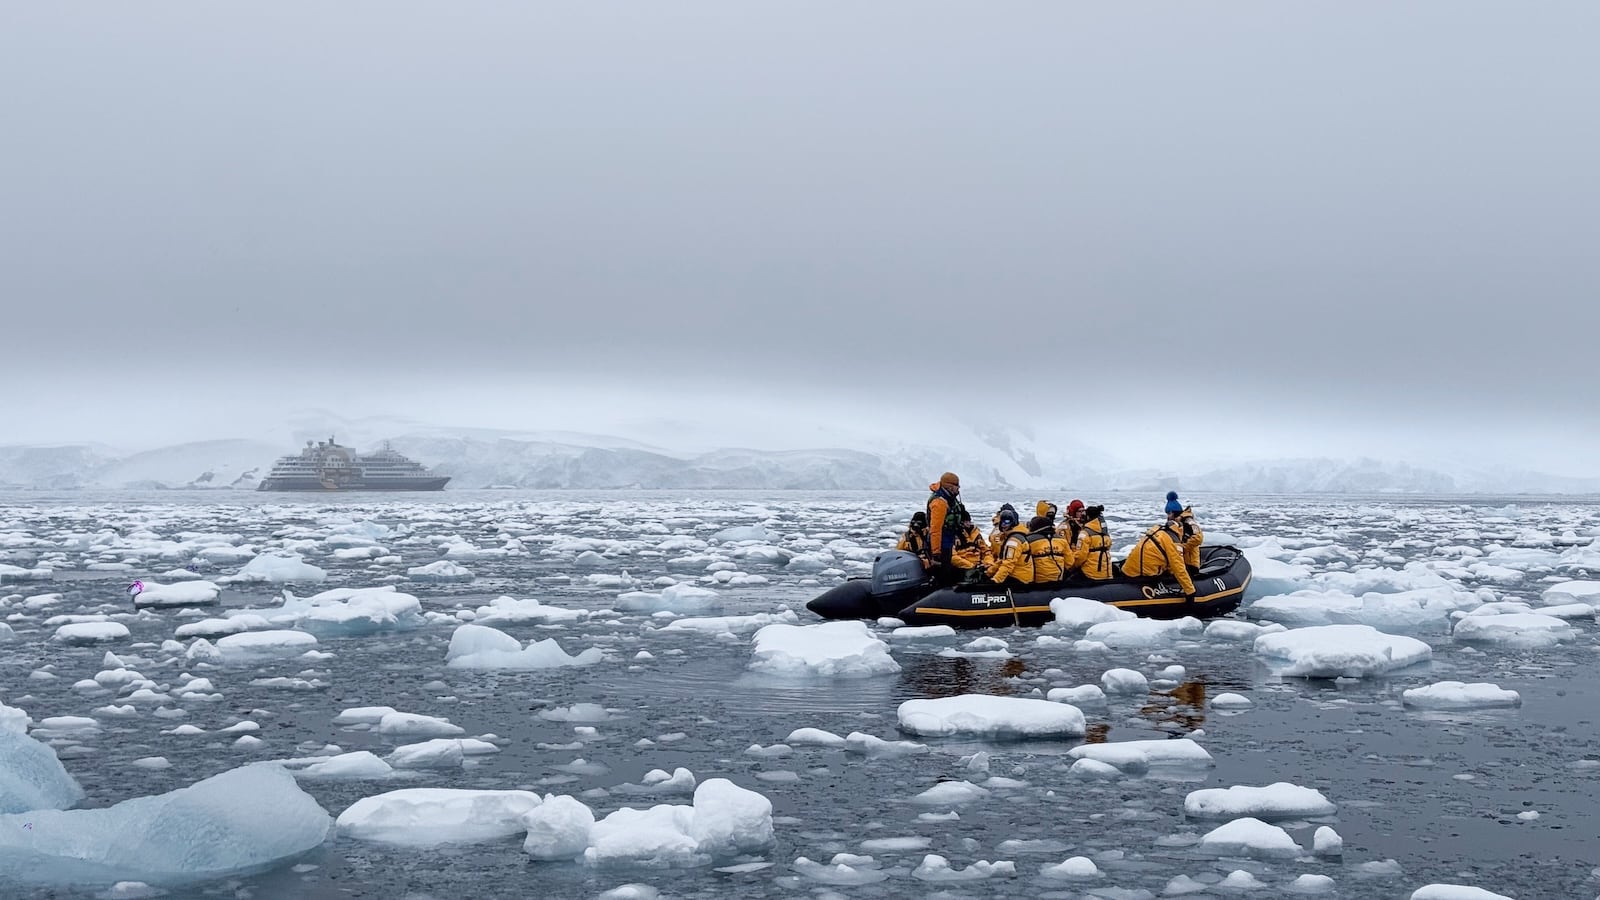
(434, 483)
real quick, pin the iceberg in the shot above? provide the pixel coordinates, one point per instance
(31, 777)
(237, 821)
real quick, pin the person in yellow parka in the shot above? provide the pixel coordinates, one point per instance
(915, 538)
(944, 511)
(1051, 554)
(1160, 551)
(1090, 539)
(972, 549)
(1193, 537)
(1047, 509)
(1012, 565)
(1005, 519)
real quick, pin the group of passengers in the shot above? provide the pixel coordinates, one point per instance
(1042, 551)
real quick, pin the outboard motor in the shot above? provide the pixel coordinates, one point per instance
(898, 580)
(896, 570)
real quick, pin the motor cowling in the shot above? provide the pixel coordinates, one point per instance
(896, 570)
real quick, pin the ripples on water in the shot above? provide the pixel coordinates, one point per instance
(1437, 793)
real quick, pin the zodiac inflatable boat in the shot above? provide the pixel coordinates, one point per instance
(898, 588)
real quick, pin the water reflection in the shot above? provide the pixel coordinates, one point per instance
(1180, 710)
(951, 676)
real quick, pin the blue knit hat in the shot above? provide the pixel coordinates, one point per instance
(1173, 506)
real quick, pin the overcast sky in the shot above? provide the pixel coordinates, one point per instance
(1263, 226)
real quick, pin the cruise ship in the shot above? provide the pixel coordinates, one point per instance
(326, 466)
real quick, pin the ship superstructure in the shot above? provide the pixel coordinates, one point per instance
(327, 466)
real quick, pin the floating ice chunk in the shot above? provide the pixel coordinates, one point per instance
(1455, 695)
(1281, 800)
(738, 533)
(1273, 576)
(439, 753)
(732, 624)
(31, 777)
(13, 719)
(1454, 892)
(1413, 610)
(936, 868)
(1082, 695)
(1233, 630)
(358, 765)
(1250, 838)
(993, 717)
(1568, 611)
(636, 891)
(679, 780)
(219, 627)
(1124, 681)
(252, 645)
(363, 715)
(431, 817)
(443, 570)
(509, 610)
(9, 572)
(1311, 884)
(91, 632)
(1572, 592)
(844, 869)
(841, 649)
(1137, 756)
(1095, 770)
(1520, 630)
(1076, 868)
(1341, 651)
(1139, 634)
(559, 828)
(239, 820)
(276, 568)
(188, 593)
(875, 747)
(921, 633)
(414, 724)
(6, 633)
(896, 844)
(203, 650)
(1231, 701)
(729, 819)
(1080, 612)
(577, 712)
(814, 736)
(480, 647)
(680, 598)
(951, 793)
(1327, 842)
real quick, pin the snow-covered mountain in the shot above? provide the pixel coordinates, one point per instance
(986, 457)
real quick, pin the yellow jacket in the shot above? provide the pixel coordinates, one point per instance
(1159, 552)
(1094, 550)
(1013, 560)
(972, 551)
(1052, 556)
(1191, 546)
(914, 540)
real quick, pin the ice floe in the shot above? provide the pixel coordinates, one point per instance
(1281, 800)
(1340, 651)
(843, 649)
(481, 647)
(993, 717)
(1455, 695)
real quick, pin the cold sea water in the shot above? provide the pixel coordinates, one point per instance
(1503, 799)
